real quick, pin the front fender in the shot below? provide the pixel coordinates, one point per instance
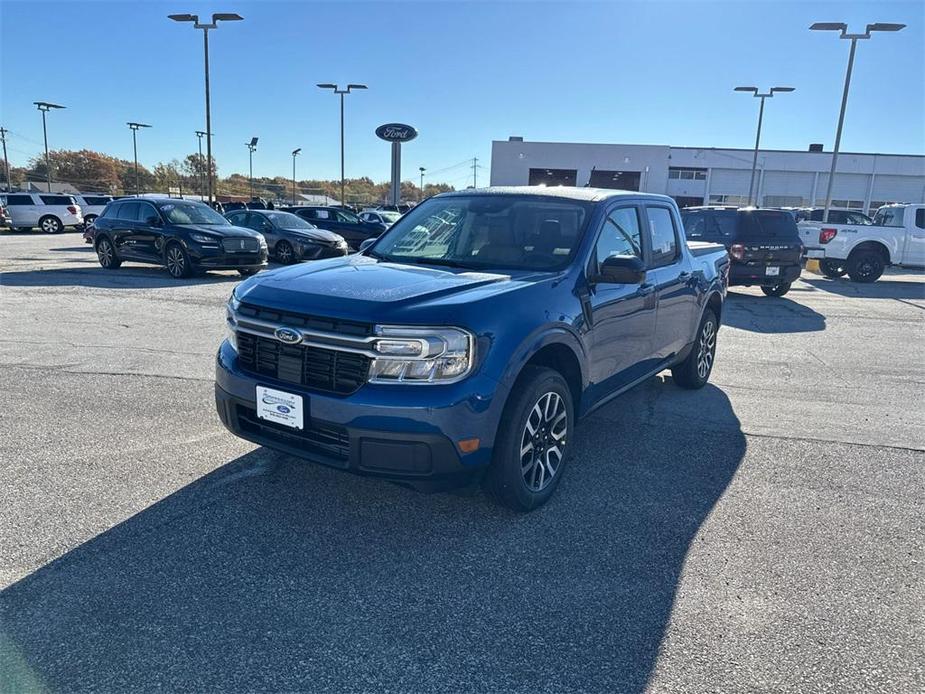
(542, 337)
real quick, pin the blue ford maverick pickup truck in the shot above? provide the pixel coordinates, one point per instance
(471, 336)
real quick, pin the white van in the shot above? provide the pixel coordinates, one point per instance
(50, 212)
(91, 204)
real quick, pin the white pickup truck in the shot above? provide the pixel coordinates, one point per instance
(864, 251)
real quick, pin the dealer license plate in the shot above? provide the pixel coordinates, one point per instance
(280, 407)
(772, 271)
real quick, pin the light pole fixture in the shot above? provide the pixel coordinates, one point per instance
(422, 170)
(842, 28)
(251, 148)
(754, 92)
(135, 127)
(45, 107)
(200, 165)
(338, 90)
(216, 18)
(295, 153)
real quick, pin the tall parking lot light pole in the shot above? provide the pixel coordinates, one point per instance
(45, 107)
(422, 170)
(216, 18)
(842, 28)
(6, 162)
(754, 92)
(135, 127)
(199, 136)
(295, 153)
(251, 148)
(338, 90)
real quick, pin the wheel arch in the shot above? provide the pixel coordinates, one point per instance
(875, 246)
(559, 350)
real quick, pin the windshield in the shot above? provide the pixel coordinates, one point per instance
(487, 232)
(287, 220)
(191, 213)
(390, 217)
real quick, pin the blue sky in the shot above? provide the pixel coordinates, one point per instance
(463, 73)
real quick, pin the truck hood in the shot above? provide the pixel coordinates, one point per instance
(365, 289)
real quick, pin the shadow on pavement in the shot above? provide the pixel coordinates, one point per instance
(767, 314)
(883, 288)
(126, 277)
(87, 248)
(273, 574)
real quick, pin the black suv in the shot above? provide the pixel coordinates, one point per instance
(340, 221)
(764, 245)
(182, 235)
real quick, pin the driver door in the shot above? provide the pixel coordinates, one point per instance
(622, 316)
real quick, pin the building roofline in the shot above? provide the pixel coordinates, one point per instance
(706, 149)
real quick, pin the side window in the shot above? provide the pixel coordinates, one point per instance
(620, 235)
(236, 218)
(346, 217)
(724, 225)
(145, 212)
(19, 200)
(128, 212)
(663, 235)
(111, 211)
(320, 214)
(920, 218)
(57, 199)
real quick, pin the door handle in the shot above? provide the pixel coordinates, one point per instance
(684, 276)
(645, 289)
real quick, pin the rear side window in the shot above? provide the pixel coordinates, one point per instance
(128, 211)
(111, 211)
(319, 214)
(920, 218)
(19, 200)
(768, 224)
(57, 199)
(889, 217)
(663, 234)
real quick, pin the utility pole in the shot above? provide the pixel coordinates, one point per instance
(6, 162)
(767, 95)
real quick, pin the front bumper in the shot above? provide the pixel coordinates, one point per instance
(406, 433)
(317, 251)
(741, 274)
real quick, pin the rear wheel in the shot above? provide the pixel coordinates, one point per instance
(106, 253)
(51, 225)
(285, 253)
(866, 266)
(777, 289)
(695, 370)
(832, 269)
(530, 450)
(177, 261)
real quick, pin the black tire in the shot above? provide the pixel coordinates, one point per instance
(526, 486)
(833, 269)
(866, 266)
(106, 254)
(177, 261)
(695, 370)
(89, 219)
(248, 271)
(777, 289)
(51, 224)
(23, 228)
(284, 252)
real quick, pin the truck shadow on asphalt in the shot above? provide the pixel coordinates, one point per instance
(126, 277)
(765, 314)
(884, 288)
(273, 574)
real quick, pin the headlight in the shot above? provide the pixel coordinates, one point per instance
(230, 323)
(204, 238)
(421, 355)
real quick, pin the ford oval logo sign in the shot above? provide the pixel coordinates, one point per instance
(288, 335)
(396, 132)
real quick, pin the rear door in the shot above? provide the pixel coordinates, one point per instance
(670, 273)
(914, 253)
(122, 230)
(146, 231)
(22, 210)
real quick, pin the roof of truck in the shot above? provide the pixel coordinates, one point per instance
(567, 192)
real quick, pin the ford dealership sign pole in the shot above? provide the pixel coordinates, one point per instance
(396, 133)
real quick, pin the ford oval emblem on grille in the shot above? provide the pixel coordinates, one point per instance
(242, 244)
(288, 335)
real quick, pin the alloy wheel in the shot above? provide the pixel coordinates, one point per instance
(542, 443)
(104, 253)
(706, 349)
(50, 226)
(284, 253)
(176, 263)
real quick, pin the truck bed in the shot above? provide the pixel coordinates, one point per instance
(701, 248)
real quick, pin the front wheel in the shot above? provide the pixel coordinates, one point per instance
(832, 269)
(530, 450)
(285, 253)
(777, 289)
(177, 261)
(51, 225)
(695, 370)
(106, 253)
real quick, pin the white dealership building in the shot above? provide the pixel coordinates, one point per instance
(707, 175)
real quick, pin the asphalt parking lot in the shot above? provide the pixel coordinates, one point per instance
(762, 534)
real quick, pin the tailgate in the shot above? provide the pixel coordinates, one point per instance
(778, 253)
(809, 234)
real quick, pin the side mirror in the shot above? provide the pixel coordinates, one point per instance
(366, 243)
(622, 269)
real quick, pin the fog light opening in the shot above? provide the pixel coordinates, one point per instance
(468, 445)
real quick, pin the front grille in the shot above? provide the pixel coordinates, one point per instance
(240, 245)
(329, 370)
(330, 441)
(295, 320)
